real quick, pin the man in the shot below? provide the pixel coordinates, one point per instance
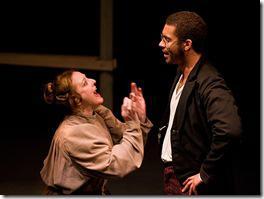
(202, 119)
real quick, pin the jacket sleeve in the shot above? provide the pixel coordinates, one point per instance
(116, 127)
(91, 149)
(224, 121)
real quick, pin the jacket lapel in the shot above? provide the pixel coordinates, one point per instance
(178, 74)
(182, 105)
(184, 99)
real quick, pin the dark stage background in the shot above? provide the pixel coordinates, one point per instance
(28, 124)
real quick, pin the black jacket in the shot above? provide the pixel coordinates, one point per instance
(205, 124)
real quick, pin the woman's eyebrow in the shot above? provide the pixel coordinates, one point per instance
(83, 81)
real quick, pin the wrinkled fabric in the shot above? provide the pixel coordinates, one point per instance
(87, 148)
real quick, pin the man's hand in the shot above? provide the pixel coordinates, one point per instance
(191, 183)
(138, 104)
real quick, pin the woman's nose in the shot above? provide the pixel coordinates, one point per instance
(92, 80)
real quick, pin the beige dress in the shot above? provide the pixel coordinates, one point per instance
(87, 150)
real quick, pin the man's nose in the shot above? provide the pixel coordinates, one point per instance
(161, 44)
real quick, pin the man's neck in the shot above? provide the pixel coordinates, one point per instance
(188, 64)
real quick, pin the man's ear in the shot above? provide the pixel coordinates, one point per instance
(187, 44)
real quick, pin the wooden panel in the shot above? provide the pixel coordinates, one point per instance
(58, 61)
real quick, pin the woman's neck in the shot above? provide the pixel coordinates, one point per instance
(88, 111)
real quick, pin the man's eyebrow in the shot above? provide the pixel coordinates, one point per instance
(167, 38)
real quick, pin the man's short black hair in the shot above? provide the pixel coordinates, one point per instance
(189, 25)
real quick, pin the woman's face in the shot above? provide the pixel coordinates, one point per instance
(86, 88)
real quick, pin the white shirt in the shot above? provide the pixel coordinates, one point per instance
(166, 155)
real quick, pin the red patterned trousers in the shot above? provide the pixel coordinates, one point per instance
(172, 186)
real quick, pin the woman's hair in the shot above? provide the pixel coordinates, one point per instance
(189, 25)
(61, 91)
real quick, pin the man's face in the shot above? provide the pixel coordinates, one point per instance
(170, 45)
(86, 88)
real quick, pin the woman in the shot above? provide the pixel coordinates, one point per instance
(91, 145)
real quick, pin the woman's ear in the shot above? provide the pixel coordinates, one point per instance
(75, 100)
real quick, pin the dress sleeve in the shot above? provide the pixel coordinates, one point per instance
(145, 128)
(116, 127)
(91, 149)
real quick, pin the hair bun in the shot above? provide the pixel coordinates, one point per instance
(49, 95)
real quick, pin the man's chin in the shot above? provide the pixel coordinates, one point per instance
(168, 61)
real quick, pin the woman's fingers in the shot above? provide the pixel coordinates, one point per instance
(133, 97)
(133, 88)
(140, 92)
(127, 109)
(136, 90)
